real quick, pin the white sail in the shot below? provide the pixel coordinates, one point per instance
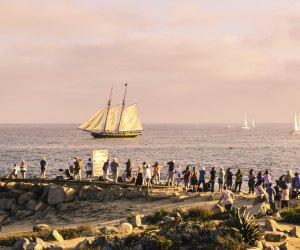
(296, 123)
(111, 121)
(95, 122)
(130, 120)
(253, 124)
(246, 123)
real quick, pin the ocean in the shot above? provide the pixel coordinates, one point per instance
(268, 146)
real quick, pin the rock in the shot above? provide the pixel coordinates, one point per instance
(37, 189)
(134, 195)
(5, 194)
(275, 237)
(259, 210)
(138, 247)
(112, 195)
(109, 230)
(40, 228)
(143, 227)
(11, 185)
(259, 245)
(175, 215)
(44, 196)
(166, 220)
(126, 228)
(217, 209)
(136, 221)
(34, 246)
(31, 204)
(24, 198)
(39, 241)
(271, 225)
(55, 236)
(40, 206)
(15, 193)
(7, 203)
(56, 194)
(83, 245)
(89, 192)
(210, 198)
(295, 232)
(179, 198)
(284, 246)
(71, 194)
(243, 209)
(21, 244)
(54, 248)
(25, 185)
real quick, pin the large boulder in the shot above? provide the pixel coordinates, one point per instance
(295, 232)
(89, 192)
(7, 203)
(24, 198)
(275, 237)
(71, 194)
(113, 194)
(40, 206)
(126, 228)
(31, 204)
(34, 246)
(83, 245)
(134, 195)
(37, 189)
(21, 244)
(56, 194)
(16, 193)
(271, 225)
(55, 236)
(259, 210)
(109, 230)
(25, 185)
(40, 228)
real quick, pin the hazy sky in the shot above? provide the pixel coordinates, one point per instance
(184, 61)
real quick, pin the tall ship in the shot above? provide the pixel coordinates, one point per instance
(246, 123)
(296, 125)
(105, 123)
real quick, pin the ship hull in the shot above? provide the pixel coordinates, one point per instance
(115, 134)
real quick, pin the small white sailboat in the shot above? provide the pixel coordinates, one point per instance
(245, 123)
(253, 124)
(296, 125)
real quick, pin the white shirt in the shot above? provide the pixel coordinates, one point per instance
(148, 173)
(177, 173)
(226, 196)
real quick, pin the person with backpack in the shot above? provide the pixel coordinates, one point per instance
(186, 177)
(228, 197)
(44, 166)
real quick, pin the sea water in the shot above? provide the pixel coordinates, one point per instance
(268, 146)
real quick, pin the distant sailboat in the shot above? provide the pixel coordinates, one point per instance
(296, 125)
(245, 123)
(253, 124)
(129, 122)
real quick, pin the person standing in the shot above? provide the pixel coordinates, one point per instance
(285, 196)
(177, 174)
(129, 166)
(105, 168)
(271, 194)
(170, 180)
(156, 173)
(212, 179)
(202, 179)
(238, 180)
(267, 178)
(229, 178)
(228, 197)
(44, 166)
(259, 178)
(14, 173)
(77, 168)
(114, 166)
(89, 169)
(194, 179)
(139, 179)
(23, 168)
(251, 181)
(72, 168)
(296, 184)
(261, 194)
(148, 177)
(221, 179)
(186, 177)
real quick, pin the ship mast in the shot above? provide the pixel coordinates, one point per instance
(108, 106)
(123, 105)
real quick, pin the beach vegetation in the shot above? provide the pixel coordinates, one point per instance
(198, 214)
(291, 215)
(72, 233)
(158, 215)
(244, 226)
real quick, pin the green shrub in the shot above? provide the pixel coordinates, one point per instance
(72, 233)
(291, 215)
(8, 241)
(198, 213)
(244, 226)
(229, 242)
(158, 215)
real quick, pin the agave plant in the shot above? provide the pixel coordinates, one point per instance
(245, 226)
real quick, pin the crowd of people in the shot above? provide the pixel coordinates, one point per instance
(190, 178)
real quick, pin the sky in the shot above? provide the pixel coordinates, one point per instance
(191, 61)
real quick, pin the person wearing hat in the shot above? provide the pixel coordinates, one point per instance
(44, 165)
